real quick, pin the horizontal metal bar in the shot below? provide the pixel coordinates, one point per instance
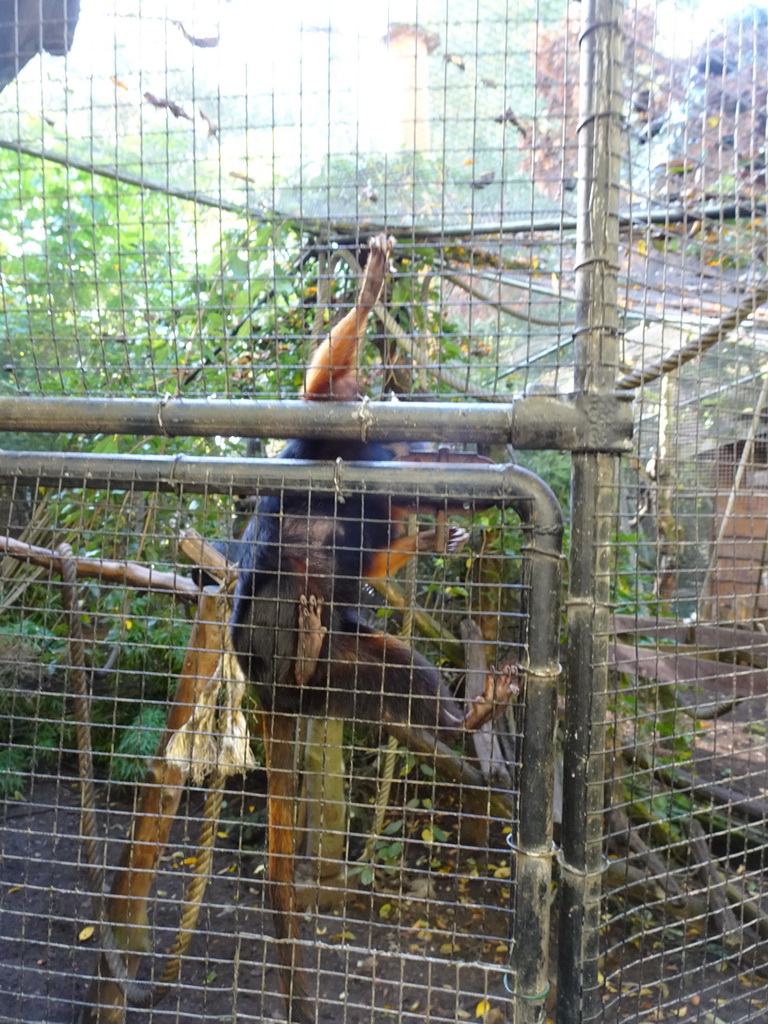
(533, 422)
(439, 482)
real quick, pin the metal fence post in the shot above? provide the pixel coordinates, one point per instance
(592, 505)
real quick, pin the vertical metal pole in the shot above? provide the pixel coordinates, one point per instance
(592, 510)
(528, 979)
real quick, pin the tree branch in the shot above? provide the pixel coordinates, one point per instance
(128, 574)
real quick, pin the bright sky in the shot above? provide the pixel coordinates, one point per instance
(680, 34)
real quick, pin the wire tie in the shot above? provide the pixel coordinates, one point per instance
(337, 482)
(174, 484)
(542, 553)
(522, 995)
(364, 418)
(544, 855)
(586, 873)
(162, 403)
(542, 673)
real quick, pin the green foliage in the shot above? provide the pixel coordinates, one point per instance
(152, 641)
(37, 719)
(665, 809)
(555, 469)
(13, 765)
(82, 278)
(112, 290)
(105, 292)
(33, 731)
(44, 644)
(138, 742)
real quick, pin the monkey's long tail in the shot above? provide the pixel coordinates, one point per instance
(279, 733)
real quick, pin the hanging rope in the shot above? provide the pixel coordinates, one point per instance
(231, 754)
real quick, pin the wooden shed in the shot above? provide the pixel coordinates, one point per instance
(736, 586)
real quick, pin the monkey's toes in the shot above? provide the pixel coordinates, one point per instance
(382, 244)
(503, 683)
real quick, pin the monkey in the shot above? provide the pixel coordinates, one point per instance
(297, 625)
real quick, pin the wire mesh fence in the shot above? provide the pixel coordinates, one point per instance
(366, 807)
(574, 309)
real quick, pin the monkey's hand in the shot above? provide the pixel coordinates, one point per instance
(500, 687)
(455, 539)
(310, 640)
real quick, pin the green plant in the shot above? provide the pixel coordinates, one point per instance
(138, 742)
(14, 763)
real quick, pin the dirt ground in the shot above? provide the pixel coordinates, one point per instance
(431, 949)
(405, 955)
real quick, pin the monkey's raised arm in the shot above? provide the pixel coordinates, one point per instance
(332, 374)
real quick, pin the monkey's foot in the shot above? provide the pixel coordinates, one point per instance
(381, 245)
(379, 250)
(311, 636)
(500, 687)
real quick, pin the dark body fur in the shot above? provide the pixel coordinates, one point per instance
(313, 545)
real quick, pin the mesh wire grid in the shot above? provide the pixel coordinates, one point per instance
(183, 217)
(358, 821)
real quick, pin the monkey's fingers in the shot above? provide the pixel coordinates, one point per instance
(457, 538)
(501, 684)
(310, 639)
(447, 542)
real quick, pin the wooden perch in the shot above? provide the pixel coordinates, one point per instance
(160, 796)
(689, 670)
(486, 742)
(714, 880)
(106, 1001)
(127, 574)
(194, 547)
(749, 646)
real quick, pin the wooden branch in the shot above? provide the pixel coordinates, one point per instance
(428, 627)
(502, 307)
(687, 670)
(126, 574)
(317, 227)
(419, 233)
(194, 547)
(627, 844)
(452, 766)
(413, 345)
(133, 180)
(734, 803)
(715, 881)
